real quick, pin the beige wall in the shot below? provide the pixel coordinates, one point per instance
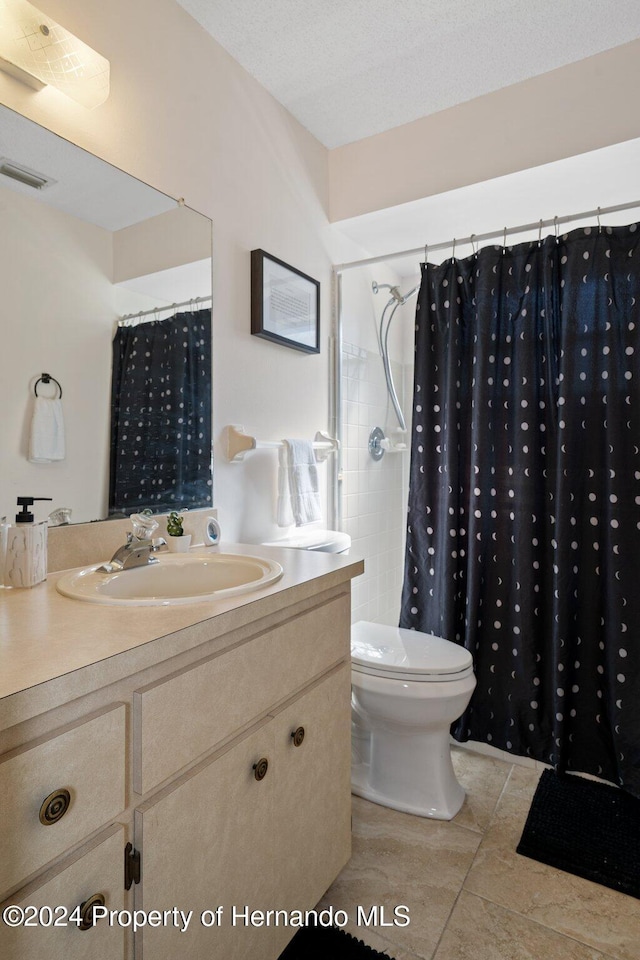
(164, 242)
(559, 114)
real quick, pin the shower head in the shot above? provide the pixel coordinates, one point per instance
(395, 293)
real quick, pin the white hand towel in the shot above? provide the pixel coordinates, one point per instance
(284, 514)
(303, 481)
(46, 441)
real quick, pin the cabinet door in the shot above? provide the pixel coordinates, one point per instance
(313, 791)
(95, 869)
(208, 842)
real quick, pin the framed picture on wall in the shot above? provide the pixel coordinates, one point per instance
(285, 303)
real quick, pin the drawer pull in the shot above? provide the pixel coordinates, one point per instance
(298, 736)
(54, 807)
(260, 768)
(86, 911)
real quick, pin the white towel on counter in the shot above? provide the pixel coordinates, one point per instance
(284, 514)
(303, 481)
(46, 440)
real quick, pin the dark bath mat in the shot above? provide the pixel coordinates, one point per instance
(328, 943)
(586, 828)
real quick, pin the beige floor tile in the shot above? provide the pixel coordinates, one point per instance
(585, 911)
(483, 778)
(480, 930)
(522, 782)
(401, 859)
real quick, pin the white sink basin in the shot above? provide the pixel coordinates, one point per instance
(173, 579)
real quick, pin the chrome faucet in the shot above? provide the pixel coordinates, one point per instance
(134, 553)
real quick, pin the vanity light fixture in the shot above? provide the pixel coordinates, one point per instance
(38, 51)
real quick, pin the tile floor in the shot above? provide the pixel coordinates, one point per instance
(470, 895)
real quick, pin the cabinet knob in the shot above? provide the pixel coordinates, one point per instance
(54, 807)
(298, 736)
(86, 911)
(260, 768)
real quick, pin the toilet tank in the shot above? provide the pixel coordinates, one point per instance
(324, 541)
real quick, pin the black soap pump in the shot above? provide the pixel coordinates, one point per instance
(26, 558)
(25, 516)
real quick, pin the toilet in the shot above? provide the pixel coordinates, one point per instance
(407, 689)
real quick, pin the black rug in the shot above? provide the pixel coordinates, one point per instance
(586, 828)
(328, 943)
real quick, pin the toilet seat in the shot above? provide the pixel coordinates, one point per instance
(410, 655)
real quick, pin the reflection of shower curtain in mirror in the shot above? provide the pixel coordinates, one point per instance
(161, 415)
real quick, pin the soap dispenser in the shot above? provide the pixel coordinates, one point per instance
(26, 556)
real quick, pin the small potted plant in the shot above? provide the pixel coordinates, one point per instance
(179, 541)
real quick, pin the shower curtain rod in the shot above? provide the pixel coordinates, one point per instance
(129, 319)
(493, 235)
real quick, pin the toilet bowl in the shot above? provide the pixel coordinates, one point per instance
(407, 689)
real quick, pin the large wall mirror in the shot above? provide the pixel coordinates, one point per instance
(79, 253)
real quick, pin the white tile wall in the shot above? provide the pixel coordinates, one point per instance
(374, 494)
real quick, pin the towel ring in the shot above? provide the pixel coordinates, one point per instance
(46, 378)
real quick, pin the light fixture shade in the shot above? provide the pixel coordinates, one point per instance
(32, 43)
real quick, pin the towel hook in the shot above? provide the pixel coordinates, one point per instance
(46, 378)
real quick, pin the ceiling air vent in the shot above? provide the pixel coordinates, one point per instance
(30, 178)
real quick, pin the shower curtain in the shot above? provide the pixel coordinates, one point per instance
(161, 415)
(523, 538)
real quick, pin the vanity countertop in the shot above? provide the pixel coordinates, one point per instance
(46, 637)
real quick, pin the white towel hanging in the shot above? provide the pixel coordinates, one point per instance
(303, 481)
(284, 514)
(46, 440)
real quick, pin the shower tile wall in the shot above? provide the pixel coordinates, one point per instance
(374, 494)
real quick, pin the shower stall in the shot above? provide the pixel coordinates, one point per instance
(372, 396)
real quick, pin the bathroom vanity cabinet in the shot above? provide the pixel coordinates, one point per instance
(207, 769)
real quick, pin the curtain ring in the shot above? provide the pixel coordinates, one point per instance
(599, 224)
(473, 244)
(426, 252)
(540, 234)
(504, 241)
(555, 226)
(453, 250)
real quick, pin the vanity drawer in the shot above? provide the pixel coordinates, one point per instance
(85, 761)
(95, 869)
(182, 716)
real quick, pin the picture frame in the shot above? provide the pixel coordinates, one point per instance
(285, 303)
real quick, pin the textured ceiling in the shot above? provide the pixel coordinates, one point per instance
(347, 69)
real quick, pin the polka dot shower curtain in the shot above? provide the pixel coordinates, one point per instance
(161, 415)
(523, 539)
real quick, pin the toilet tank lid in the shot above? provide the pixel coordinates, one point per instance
(376, 645)
(329, 541)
